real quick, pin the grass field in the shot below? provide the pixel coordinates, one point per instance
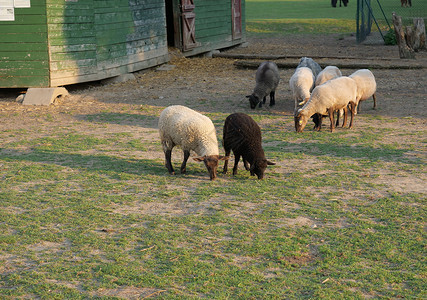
(318, 16)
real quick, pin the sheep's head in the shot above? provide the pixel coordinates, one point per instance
(300, 120)
(211, 163)
(253, 100)
(259, 166)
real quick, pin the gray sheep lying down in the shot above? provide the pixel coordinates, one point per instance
(242, 135)
(267, 78)
(182, 126)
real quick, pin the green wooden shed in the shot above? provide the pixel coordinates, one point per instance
(49, 43)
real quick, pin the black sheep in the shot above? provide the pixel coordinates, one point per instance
(243, 135)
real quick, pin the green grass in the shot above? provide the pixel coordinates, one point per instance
(318, 16)
(79, 217)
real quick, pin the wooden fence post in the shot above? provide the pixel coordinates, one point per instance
(419, 34)
(404, 50)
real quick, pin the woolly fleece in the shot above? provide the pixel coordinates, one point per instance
(182, 126)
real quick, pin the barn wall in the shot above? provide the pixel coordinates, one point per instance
(105, 38)
(72, 41)
(214, 25)
(23, 48)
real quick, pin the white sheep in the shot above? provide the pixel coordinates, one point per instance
(301, 84)
(366, 85)
(182, 126)
(333, 95)
(328, 73)
(267, 78)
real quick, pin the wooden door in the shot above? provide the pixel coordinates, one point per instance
(188, 25)
(236, 12)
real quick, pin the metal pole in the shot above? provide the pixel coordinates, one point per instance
(372, 14)
(384, 14)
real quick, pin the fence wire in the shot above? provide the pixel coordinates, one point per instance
(374, 17)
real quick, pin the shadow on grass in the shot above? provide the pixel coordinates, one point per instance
(142, 120)
(87, 162)
(103, 163)
(348, 151)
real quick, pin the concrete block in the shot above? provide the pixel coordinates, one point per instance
(43, 96)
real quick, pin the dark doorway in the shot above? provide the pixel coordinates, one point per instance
(170, 24)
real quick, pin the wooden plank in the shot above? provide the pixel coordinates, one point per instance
(72, 64)
(23, 81)
(68, 41)
(61, 56)
(23, 47)
(23, 55)
(38, 37)
(13, 28)
(23, 64)
(73, 48)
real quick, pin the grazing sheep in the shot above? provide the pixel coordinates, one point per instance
(366, 85)
(243, 135)
(301, 84)
(182, 126)
(310, 63)
(328, 73)
(333, 95)
(267, 78)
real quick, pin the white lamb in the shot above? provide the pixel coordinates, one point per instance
(328, 73)
(333, 95)
(366, 85)
(182, 126)
(301, 84)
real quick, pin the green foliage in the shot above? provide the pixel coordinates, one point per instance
(390, 38)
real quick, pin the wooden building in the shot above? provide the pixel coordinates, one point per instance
(52, 43)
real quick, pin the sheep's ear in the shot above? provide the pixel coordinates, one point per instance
(248, 96)
(201, 158)
(270, 163)
(224, 158)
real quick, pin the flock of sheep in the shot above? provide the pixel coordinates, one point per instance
(317, 93)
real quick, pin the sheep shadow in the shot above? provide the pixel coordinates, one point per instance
(331, 149)
(102, 163)
(147, 121)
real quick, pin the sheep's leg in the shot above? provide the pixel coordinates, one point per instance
(331, 118)
(344, 122)
(320, 122)
(272, 99)
(375, 100)
(227, 153)
(168, 163)
(338, 118)
(318, 118)
(264, 99)
(352, 110)
(184, 162)
(236, 162)
(246, 164)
